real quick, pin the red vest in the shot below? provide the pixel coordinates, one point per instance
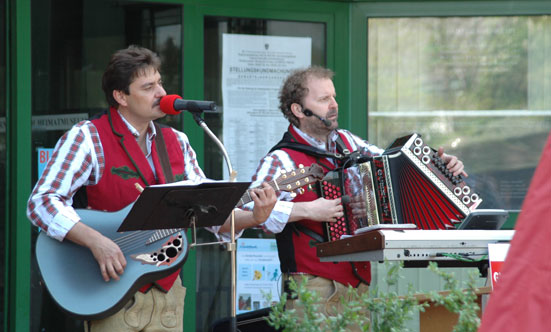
(297, 250)
(126, 165)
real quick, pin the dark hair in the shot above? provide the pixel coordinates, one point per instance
(125, 65)
(294, 89)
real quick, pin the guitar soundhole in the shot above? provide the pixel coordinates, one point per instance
(171, 252)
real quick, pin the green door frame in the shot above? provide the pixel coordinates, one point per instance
(334, 15)
(18, 166)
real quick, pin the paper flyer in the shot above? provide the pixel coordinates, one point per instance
(258, 274)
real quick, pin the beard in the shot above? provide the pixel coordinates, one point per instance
(316, 127)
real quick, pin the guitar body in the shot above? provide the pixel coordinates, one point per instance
(73, 278)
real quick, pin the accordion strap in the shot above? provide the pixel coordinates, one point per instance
(287, 142)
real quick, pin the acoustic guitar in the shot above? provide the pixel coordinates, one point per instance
(71, 273)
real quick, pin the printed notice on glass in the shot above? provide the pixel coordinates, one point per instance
(258, 274)
(253, 70)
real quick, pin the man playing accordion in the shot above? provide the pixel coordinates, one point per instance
(308, 101)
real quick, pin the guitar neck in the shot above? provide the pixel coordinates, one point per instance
(246, 198)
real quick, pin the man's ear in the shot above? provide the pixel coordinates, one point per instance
(297, 110)
(120, 97)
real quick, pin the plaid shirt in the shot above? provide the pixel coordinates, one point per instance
(271, 165)
(77, 161)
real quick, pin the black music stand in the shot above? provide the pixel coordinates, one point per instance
(181, 206)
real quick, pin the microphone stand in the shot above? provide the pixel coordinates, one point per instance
(231, 247)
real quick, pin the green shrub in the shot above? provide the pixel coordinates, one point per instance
(389, 311)
(460, 299)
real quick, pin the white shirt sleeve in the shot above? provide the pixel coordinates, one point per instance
(270, 168)
(74, 164)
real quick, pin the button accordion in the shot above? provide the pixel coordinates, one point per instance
(408, 183)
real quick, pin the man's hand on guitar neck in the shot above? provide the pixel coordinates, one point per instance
(109, 256)
(264, 198)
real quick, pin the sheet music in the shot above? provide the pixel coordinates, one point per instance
(385, 226)
(187, 183)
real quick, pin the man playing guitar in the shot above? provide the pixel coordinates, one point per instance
(103, 159)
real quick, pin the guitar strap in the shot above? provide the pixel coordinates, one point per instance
(163, 154)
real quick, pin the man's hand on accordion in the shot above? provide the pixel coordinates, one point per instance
(453, 164)
(356, 206)
(319, 210)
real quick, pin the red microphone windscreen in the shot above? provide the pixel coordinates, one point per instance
(167, 104)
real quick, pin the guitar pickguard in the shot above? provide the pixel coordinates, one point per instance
(166, 255)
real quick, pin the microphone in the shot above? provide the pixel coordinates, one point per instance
(326, 122)
(174, 104)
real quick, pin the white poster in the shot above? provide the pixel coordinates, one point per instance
(258, 274)
(253, 70)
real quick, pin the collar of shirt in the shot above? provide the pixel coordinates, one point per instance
(330, 146)
(149, 140)
(150, 133)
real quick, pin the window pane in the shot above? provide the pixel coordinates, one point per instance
(474, 85)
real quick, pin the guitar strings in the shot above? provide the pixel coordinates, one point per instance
(137, 239)
(132, 240)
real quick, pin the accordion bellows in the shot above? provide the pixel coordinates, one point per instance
(409, 183)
